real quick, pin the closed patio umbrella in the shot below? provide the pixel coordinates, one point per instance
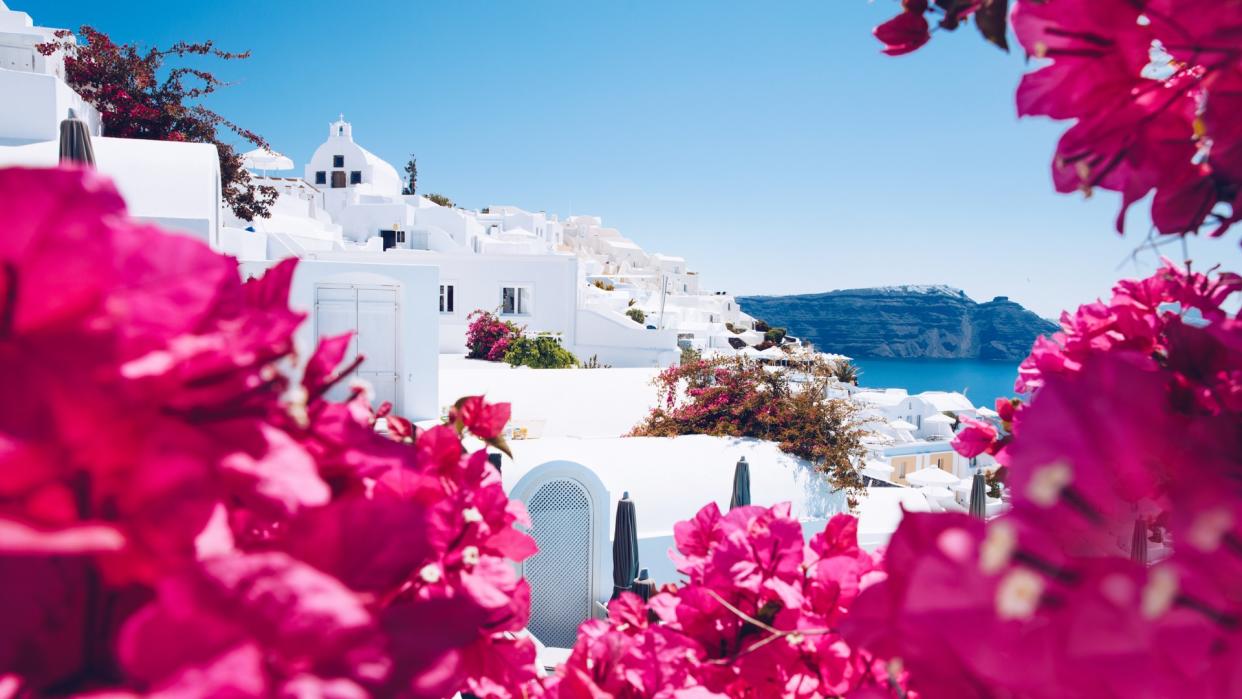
(741, 484)
(644, 586)
(1138, 542)
(978, 497)
(75, 142)
(624, 547)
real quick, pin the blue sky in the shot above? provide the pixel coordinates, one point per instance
(769, 143)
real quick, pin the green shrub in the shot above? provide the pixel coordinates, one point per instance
(441, 200)
(636, 315)
(539, 352)
(775, 335)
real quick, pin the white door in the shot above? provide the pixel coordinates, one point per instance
(371, 313)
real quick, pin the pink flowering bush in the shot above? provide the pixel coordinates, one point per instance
(1133, 437)
(489, 337)
(736, 397)
(179, 517)
(1153, 88)
(758, 617)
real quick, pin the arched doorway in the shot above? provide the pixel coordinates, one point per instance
(568, 508)
(560, 573)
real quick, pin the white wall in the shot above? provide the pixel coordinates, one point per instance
(478, 280)
(418, 325)
(35, 104)
(173, 184)
(361, 221)
(619, 341)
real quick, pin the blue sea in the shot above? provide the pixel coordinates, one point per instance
(981, 381)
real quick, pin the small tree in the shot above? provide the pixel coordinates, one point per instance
(775, 335)
(846, 371)
(441, 200)
(636, 315)
(123, 83)
(411, 175)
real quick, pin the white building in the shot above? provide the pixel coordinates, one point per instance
(33, 85)
(576, 279)
(352, 176)
(897, 405)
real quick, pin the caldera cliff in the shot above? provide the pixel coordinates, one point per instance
(934, 322)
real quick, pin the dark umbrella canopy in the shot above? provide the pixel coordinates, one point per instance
(644, 586)
(1138, 542)
(624, 547)
(978, 497)
(75, 142)
(741, 484)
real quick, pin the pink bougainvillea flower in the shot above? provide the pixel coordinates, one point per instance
(484, 420)
(975, 438)
(756, 618)
(159, 451)
(905, 33)
(1097, 50)
(324, 366)
(300, 620)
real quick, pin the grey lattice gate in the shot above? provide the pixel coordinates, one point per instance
(560, 573)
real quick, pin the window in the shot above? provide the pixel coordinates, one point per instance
(321, 177)
(514, 300)
(446, 297)
(355, 177)
(338, 161)
(400, 236)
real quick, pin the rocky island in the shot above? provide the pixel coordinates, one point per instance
(909, 322)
